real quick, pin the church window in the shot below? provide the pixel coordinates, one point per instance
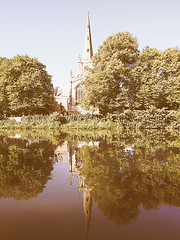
(78, 94)
(87, 50)
(87, 38)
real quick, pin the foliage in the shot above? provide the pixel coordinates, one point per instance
(111, 84)
(172, 92)
(152, 118)
(4, 103)
(123, 78)
(89, 122)
(158, 74)
(26, 87)
(43, 121)
(38, 121)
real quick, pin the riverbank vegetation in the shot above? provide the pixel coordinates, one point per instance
(152, 118)
(38, 121)
(147, 119)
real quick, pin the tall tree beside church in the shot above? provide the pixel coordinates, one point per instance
(147, 69)
(28, 86)
(158, 74)
(171, 77)
(3, 83)
(173, 92)
(111, 84)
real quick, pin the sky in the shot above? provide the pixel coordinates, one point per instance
(54, 30)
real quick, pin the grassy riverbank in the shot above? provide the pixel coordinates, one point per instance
(55, 121)
(148, 119)
(139, 119)
(52, 121)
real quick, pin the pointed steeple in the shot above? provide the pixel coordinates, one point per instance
(88, 50)
(80, 65)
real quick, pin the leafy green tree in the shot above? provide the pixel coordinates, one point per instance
(28, 86)
(147, 68)
(172, 93)
(111, 84)
(158, 74)
(121, 77)
(3, 91)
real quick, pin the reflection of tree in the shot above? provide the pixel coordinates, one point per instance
(24, 168)
(124, 177)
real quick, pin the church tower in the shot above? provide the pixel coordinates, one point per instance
(88, 50)
(69, 100)
(76, 91)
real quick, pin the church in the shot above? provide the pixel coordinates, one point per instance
(69, 100)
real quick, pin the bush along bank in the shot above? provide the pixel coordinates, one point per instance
(90, 122)
(152, 118)
(139, 119)
(52, 121)
(55, 121)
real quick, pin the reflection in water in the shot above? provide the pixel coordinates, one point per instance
(70, 152)
(25, 167)
(76, 167)
(121, 174)
(129, 172)
(126, 175)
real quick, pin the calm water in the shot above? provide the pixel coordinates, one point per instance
(113, 187)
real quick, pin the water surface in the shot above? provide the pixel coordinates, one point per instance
(110, 187)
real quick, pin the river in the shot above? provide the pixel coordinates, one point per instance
(122, 186)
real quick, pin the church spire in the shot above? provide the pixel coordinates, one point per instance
(88, 50)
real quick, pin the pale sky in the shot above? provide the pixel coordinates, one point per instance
(54, 30)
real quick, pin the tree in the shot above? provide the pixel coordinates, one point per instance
(147, 68)
(28, 86)
(3, 85)
(170, 60)
(121, 77)
(158, 72)
(111, 84)
(172, 92)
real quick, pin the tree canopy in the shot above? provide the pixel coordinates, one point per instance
(122, 77)
(25, 86)
(111, 84)
(158, 74)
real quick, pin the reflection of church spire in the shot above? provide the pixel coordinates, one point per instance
(87, 204)
(76, 170)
